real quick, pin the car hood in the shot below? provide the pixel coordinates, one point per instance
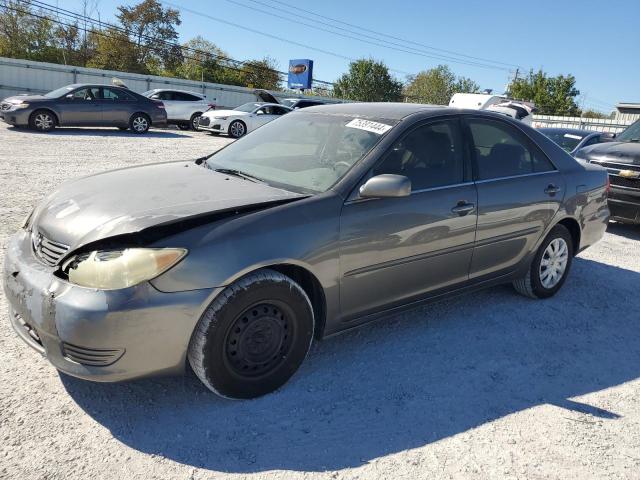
(615, 152)
(224, 113)
(25, 98)
(132, 199)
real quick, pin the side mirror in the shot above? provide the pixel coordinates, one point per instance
(69, 96)
(607, 136)
(386, 186)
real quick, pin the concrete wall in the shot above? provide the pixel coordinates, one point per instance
(597, 124)
(25, 76)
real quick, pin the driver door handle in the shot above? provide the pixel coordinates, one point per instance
(462, 208)
(551, 189)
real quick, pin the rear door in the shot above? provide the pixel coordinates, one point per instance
(82, 107)
(519, 193)
(393, 250)
(116, 106)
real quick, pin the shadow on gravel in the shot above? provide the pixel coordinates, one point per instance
(632, 232)
(398, 384)
(100, 132)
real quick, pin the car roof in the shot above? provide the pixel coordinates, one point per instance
(575, 131)
(393, 111)
(176, 90)
(80, 85)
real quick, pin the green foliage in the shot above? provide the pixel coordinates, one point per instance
(437, 85)
(595, 114)
(368, 81)
(552, 95)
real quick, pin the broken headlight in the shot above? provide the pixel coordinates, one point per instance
(113, 269)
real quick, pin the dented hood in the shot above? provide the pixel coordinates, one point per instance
(133, 199)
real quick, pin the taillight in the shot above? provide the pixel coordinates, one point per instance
(160, 105)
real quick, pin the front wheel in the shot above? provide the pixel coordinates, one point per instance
(550, 266)
(194, 122)
(253, 337)
(237, 129)
(42, 120)
(140, 123)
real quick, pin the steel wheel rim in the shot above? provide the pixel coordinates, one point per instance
(259, 340)
(43, 121)
(554, 262)
(140, 124)
(237, 129)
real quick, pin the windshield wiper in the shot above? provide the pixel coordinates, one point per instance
(238, 173)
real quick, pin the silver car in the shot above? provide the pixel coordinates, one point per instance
(318, 222)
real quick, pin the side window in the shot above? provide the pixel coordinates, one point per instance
(112, 94)
(261, 111)
(279, 111)
(502, 151)
(165, 95)
(431, 156)
(187, 97)
(86, 94)
(592, 141)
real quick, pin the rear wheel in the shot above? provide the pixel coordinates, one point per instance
(42, 120)
(139, 123)
(550, 266)
(237, 129)
(253, 337)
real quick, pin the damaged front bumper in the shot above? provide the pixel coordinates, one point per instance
(96, 334)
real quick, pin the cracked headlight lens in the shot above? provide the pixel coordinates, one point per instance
(114, 269)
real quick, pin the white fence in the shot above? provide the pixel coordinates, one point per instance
(25, 76)
(615, 125)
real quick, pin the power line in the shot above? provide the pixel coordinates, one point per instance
(76, 17)
(451, 52)
(360, 37)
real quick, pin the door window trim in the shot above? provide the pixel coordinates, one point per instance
(529, 143)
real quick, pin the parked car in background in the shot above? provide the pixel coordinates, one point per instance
(621, 158)
(297, 103)
(241, 120)
(84, 105)
(572, 139)
(183, 107)
(326, 219)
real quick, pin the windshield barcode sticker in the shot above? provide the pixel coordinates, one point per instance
(575, 137)
(369, 126)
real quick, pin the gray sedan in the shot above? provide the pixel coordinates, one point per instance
(84, 105)
(318, 222)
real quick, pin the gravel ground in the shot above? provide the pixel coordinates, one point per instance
(490, 385)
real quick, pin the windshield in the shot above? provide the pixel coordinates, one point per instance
(148, 93)
(631, 134)
(289, 102)
(567, 140)
(60, 91)
(247, 107)
(302, 152)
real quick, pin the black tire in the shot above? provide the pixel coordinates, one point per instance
(183, 126)
(533, 283)
(42, 121)
(253, 336)
(193, 121)
(237, 129)
(139, 123)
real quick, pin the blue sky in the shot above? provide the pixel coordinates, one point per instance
(593, 40)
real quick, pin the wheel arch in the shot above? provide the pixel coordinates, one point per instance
(56, 119)
(573, 226)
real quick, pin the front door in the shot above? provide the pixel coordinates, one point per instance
(519, 193)
(116, 107)
(393, 250)
(81, 107)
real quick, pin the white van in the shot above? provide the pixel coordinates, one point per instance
(475, 101)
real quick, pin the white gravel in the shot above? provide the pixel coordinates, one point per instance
(490, 385)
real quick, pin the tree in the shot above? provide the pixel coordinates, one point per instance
(260, 74)
(595, 114)
(552, 95)
(437, 85)
(152, 31)
(368, 81)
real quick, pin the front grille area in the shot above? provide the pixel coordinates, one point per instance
(204, 121)
(625, 182)
(48, 251)
(94, 357)
(5, 106)
(619, 166)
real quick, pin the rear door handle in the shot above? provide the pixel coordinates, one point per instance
(462, 208)
(551, 189)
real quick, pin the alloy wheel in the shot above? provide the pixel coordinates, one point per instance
(237, 129)
(43, 121)
(140, 124)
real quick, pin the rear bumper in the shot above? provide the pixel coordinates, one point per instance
(95, 334)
